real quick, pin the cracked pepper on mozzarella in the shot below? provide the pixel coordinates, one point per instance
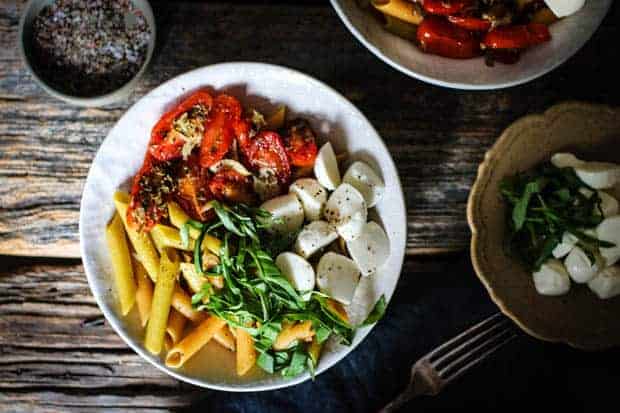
(552, 279)
(312, 195)
(363, 178)
(287, 212)
(297, 270)
(313, 237)
(346, 210)
(371, 249)
(326, 167)
(337, 276)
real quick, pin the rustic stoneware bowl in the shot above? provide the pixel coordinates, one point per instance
(578, 318)
(263, 87)
(31, 11)
(569, 35)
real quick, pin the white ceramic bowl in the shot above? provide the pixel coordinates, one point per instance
(263, 87)
(569, 35)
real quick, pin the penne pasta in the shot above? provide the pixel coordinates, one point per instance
(246, 353)
(121, 264)
(162, 299)
(195, 281)
(276, 120)
(140, 240)
(292, 332)
(144, 293)
(178, 218)
(194, 341)
(174, 329)
(169, 237)
(401, 9)
(225, 338)
(183, 304)
(400, 28)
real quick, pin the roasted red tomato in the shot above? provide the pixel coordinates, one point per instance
(150, 192)
(219, 129)
(171, 132)
(267, 151)
(300, 143)
(438, 36)
(445, 7)
(192, 189)
(229, 185)
(517, 37)
(474, 24)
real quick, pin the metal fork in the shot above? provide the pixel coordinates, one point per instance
(449, 361)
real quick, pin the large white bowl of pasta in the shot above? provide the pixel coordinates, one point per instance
(397, 31)
(243, 227)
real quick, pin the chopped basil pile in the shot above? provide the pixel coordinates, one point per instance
(256, 296)
(544, 204)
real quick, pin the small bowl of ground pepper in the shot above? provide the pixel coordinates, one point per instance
(87, 52)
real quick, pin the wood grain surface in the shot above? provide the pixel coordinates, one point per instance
(437, 136)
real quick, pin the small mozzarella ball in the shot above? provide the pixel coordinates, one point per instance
(297, 270)
(363, 178)
(552, 279)
(609, 230)
(563, 248)
(598, 175)
(371, 249)
(346, 210)
(312, 195)
(564, 8)
(337, 276)
(313, 237)
(287, 210)
(579, 266)
(326, 167)
(607, 283)
(609, 204)
(565, 160)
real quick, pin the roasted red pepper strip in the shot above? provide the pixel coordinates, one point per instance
(165, 146)
(219, 129)
(438, 36)
(445, 7)
(470, 23)
(267, 151)
(517, 37)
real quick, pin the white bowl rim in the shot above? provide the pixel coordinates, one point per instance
(438, 82)
(247, 387)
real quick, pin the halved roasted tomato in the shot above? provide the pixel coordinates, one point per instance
(219, 129)
(300, 143)
(192, 189)
(438, 36)
(152, 187)
(229, 185)
(445, 7)
(183, 124)
(517, 37)
(267, 151)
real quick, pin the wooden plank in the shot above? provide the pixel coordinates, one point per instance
(437, 136)
(55, 356)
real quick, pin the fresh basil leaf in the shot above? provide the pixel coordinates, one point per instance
(266, 362)
(377, 311)
(520, 210)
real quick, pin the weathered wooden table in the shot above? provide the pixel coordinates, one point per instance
(57, 353)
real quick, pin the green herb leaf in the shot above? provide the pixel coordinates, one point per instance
(377, 312)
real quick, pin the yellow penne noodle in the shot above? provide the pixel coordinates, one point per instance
(169, 237)
(194, 341)
(195, 281)
(144, 293)
(400, 28)
(178, 218)
(182, 302)
(212, 244)
(162, 299)
(246, 353)
(121, 264)
(314, 350)
(401, 9)
(225, 338)
(140, 240)
(291, 332)
(276, 119)
(174, 329)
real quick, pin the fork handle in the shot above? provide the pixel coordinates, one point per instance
(399, 401)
